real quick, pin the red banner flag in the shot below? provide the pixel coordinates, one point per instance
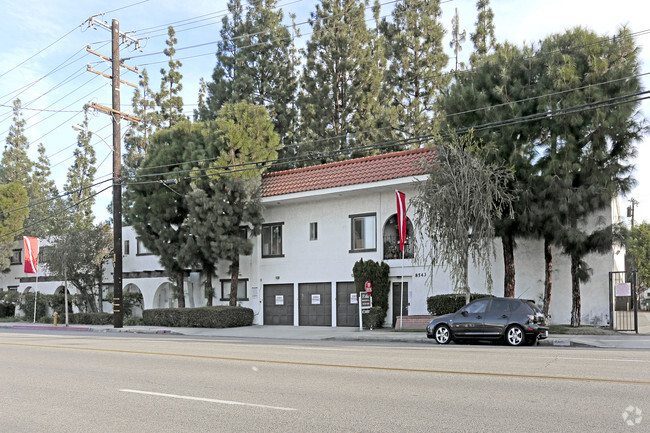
(31, 254)
(401, 218)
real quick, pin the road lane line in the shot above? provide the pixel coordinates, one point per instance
(209, 400)
(595, 359)
(345, 366)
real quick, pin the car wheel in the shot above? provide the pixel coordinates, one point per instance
(443, 334)
(515, 336)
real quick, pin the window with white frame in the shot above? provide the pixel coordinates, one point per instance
(364, 232)
(16, 257)
(242, 290)
(127, 249)
(272, 240)
(141, 249)
(313, 231)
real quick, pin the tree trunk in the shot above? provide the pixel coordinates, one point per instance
(209, 290)
(575, 285)
(180, 282)
(234, 282)
(548, 275)
(509, 265)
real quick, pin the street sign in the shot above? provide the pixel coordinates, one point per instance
(368, 287)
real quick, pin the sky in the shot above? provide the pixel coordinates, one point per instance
(43, 61)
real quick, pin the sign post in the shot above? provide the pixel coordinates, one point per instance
(365, 304)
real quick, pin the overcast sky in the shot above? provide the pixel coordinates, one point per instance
(26, 30)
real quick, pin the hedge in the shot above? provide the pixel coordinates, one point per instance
(203, 317)
(374, 318)
(449, 303)
(88, 318)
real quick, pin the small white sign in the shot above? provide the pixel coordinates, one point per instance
(624, 289)
(279, 299)
(254, 292)
(353, 298)
(315, 299)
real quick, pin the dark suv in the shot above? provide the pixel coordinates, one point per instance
(517, 321)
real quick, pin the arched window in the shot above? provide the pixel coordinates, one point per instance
(391, 239)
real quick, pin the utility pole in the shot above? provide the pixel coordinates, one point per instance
(630, 210)
(116, 115)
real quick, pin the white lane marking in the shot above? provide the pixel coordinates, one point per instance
(596, 359)
(209, 400)
(326, 349)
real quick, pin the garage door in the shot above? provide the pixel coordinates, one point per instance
(347, 308)
(278, 304)
(315, 304)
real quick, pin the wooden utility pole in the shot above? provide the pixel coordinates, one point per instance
(118, 312)
(116, 115)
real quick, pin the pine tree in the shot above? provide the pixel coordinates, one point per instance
(341, 80)
(415, 76)
(13, 211)
(16, 166)
(168, 99)
(81, 176)
(457, 39)
(255, 64)
(588, 152)
(483, 37)
(490, 93)
(46, 211)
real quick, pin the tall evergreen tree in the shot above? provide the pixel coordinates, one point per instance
(168, 99)
(227, 203)
(47, 205)
(255, 64)
(416, 58)
(80, 178)
(588, 151)
(13, 211)
(483, 36)
(341, 80)
(492, 93)
(15, 165)
(457, 39)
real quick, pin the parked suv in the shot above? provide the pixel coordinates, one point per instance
(517, 321)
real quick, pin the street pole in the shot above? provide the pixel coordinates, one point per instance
(117, 183)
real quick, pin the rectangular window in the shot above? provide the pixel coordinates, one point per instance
(364, 232)
(126, 248)
(242, 286)
(142, 250)
(243, 232)
(44, 253)
(16, 257)
(313, 231)
(272, 240)
(12, 288)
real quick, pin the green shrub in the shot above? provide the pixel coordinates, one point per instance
(449, 303)
(89, 318)
(203, 317)
(26, 304)
(374, 318)
(133, 321)
(7, 310)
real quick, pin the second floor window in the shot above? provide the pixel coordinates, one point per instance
(16, 257)
(364, 232)
(272, 240)
(126, 248)
(142, 250)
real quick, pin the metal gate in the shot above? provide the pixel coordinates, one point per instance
(623, 301)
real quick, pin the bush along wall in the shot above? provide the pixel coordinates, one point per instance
(449, 303)
(377, 274)
(88, 318)
(203, 317)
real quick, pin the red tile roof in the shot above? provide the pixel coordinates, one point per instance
(351, 172)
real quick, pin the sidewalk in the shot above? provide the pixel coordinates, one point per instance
(618, 341)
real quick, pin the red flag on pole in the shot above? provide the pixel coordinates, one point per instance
(401, 218)
(31, 254)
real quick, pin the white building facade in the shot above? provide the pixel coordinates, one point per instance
(319, 221)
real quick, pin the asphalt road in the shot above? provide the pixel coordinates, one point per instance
(135, 383)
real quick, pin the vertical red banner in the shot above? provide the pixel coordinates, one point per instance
(401, 218)
(30, 249)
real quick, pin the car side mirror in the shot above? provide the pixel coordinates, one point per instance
(464, 313)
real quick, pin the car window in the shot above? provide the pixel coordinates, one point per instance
(500, 305)
(477, 307)
(535, 308)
